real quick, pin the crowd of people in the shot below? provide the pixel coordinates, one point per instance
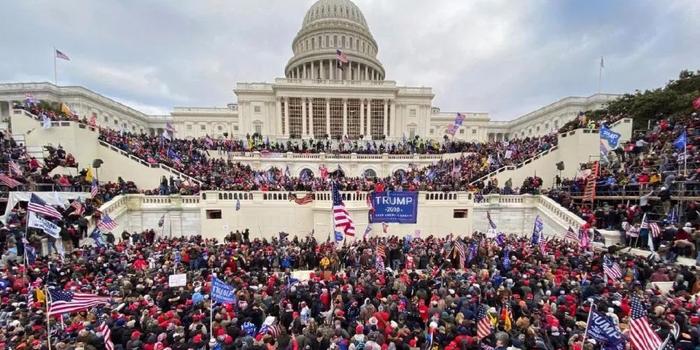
(423, 294)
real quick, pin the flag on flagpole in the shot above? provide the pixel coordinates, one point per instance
(342, 58)
(38, 206)
(238, 204)
(507, 317)
(611, 269)
(8, 181)
(61, 301)
(537, 230)
(642, 334)
(682, 141)
(62, 55)
(584, 239)
(29, 251)
(106, 334)
(368, 230)
(36, 221)
(483, 326)
(342, 218)
(107, 224)
(94, 188)
(570, 234)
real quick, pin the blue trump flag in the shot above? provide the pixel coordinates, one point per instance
(613, 138)
(96, 235)
(222, 292)
(603, 330)
(537, 230)
(681, 142)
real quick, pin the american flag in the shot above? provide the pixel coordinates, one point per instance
(342, 58)
(611, 269)
(30, 297)
(106, 336)
(368, 230)
(62, 55)
(381, 251)
(106, 224)
(38, 206)
(78, 208)
(642, 335)
(15, 168)
(483, 325)
(169, 127)
(308, 198)
(654, 229)
(459, 246)
(341, 216)
(273, 330)
(8, 181)
(95, 188)
(571, 234)
(61, 301)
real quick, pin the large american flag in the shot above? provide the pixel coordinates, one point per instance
(570, 234)
(483, 325)
(62, 301)
(106, 224)
(653, 228)
(462, 251)
(642, 335)
(611, 269)
(38, 206)
(106, 336)
(342, 218)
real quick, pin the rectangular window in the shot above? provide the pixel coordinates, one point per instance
(460, 213)
(377, 119)
(256, 109)
(319, 117)
(214, 214)
(412, 133)
(203, 127)
(189, 127)
(258, 129)
(412, 113)
(461, 131)
(295, 117)
(235, 128)
(473, 131)
(336, 118)
(353, 118)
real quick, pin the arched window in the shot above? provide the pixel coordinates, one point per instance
(306, 174)
(369, 173)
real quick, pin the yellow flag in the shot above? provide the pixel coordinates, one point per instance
(66, 110)
(88, 175)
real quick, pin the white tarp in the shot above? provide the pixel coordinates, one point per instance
(53, 198)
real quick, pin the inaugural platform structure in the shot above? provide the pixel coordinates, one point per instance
(323, 94)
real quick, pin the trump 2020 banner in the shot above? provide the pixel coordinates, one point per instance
(394, 207)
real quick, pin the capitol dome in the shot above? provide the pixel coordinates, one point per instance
(331, 25)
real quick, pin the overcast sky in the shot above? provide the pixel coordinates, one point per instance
(504, 57)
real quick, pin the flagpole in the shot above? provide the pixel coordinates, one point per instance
(588, 321)
(48, 319)
(600, 73)
(55, 75)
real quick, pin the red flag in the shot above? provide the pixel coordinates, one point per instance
(696, 103)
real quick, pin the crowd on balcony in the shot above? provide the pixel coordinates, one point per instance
(374, 293)
(655, 169)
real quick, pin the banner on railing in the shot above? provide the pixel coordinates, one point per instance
(394, 207)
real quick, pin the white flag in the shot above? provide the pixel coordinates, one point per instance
(47, 226)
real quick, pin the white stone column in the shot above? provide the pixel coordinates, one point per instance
(286, 116)
(303, 117)
(366, 72)
(330, 70)
(345, 116)
(303, 74)
(278, 113)
(369, 116)
(386, 117)
(313, 70)
(328, 117)
(362, 117)
(311, 117)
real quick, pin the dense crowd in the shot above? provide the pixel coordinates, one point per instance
(427, 297)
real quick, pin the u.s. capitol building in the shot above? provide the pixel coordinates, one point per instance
(317, 98)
